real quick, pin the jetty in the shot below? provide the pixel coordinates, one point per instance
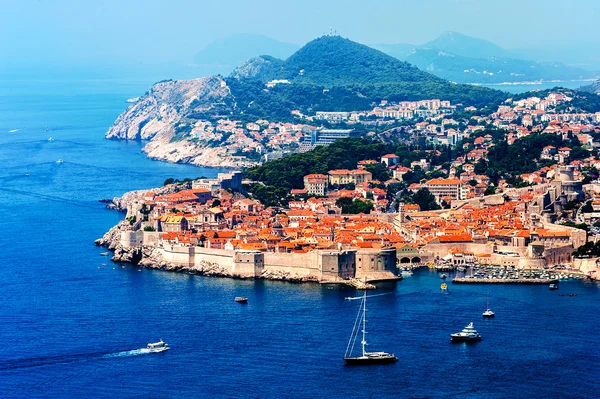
(485, 280)
(360, 284)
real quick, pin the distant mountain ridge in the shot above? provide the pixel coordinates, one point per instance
(592, 88)
(466, 46)
(464, 59)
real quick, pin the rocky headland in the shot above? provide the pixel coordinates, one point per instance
(166, 115)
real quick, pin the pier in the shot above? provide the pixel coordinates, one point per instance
(485, 280)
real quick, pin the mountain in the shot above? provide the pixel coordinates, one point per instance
(466, 46)
(332, 73)
(491, 69)
(225, 54)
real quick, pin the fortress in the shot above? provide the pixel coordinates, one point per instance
(316, 265)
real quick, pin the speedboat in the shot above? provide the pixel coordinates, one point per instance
(553, 286)
(60, 161)
(468, 334)
(241, 299)
(159, 346)
(406, 273)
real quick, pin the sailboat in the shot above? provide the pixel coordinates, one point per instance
(360, 325)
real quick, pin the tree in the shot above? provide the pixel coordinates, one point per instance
(353, 207)
(216, 202)
(149, 228)
(425, 200)
(170, 180)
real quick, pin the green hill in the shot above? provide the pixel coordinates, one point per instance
(332, 73)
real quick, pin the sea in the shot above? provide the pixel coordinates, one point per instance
(73, 324)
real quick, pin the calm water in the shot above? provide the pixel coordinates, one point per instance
(70, 327)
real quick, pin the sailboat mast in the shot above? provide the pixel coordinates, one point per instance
(364, 329)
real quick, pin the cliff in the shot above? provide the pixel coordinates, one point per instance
(167, 116)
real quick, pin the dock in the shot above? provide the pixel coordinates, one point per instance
(484, 280)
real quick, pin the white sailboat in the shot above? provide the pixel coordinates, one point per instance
(360, 325)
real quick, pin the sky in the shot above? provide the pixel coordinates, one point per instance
(152, 32)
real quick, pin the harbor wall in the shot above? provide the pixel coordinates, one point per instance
(322, 265)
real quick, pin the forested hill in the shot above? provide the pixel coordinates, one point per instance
(332, 73)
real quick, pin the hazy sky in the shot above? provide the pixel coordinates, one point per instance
(152, 31)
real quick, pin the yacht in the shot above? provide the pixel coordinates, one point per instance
(241, 299)
(468, 334)
(488, 312)
(364, 357)
(159, 346)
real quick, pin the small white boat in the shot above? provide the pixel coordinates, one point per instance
(406, 273)
(60, 161)
(159, 346)
(50, 139)
(488, 312)
(132, 100)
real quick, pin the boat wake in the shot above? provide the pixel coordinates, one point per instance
(68, 358)
(135, 352)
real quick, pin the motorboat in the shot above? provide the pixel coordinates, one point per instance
(241, 299)
(488, 312)
(159, 346)
(364, 357)
(553, 286)
(406, 273)
(444, 287)
(468, 334)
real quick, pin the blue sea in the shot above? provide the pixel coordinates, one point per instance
(72, 327)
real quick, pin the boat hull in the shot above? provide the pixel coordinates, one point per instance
(357, 361)
(464, 339)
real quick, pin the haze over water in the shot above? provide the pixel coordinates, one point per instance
(72, 328)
